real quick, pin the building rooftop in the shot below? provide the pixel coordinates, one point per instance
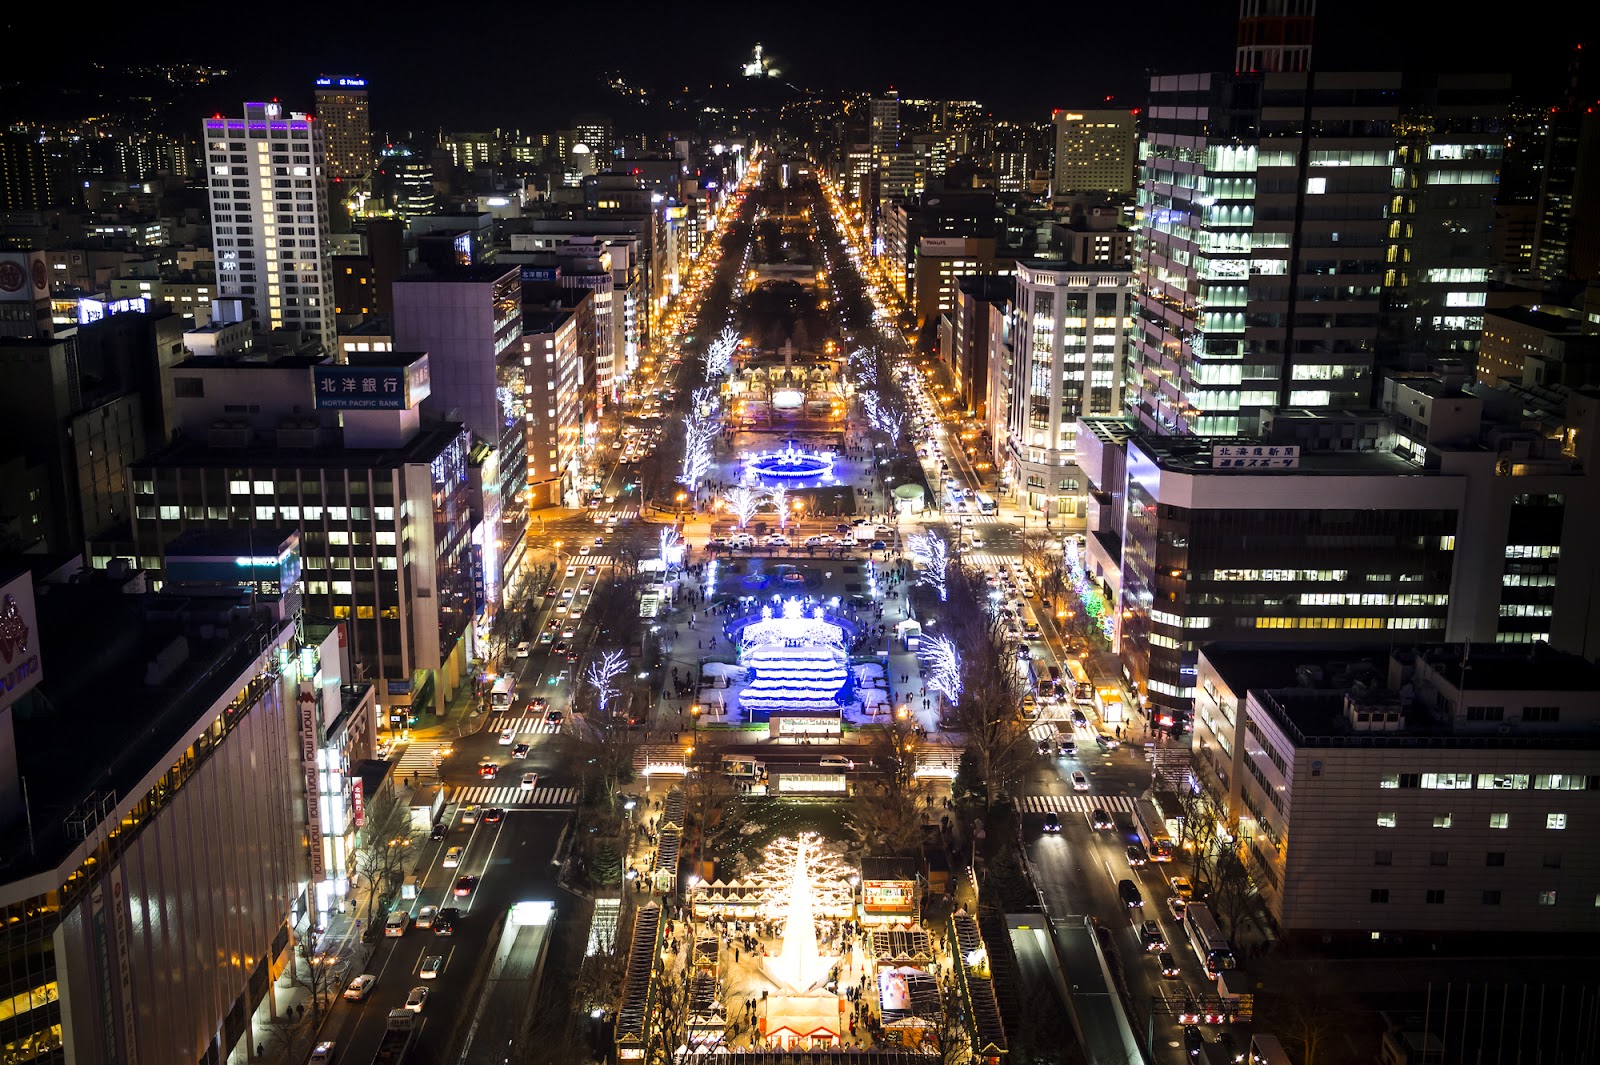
(125, 679)
(476, 274)
(1546, 319)
(1308, 689)
(263, 359)
(426, 445)
(1192, 454)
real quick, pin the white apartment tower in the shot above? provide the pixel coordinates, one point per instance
(269, 218)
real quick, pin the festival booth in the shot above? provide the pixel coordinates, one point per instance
(909, 634)
(909, 1002)
(804, 1023)
(888, 892)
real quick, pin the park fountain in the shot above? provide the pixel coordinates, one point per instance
(790, 462)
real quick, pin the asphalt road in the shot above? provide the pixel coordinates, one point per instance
(512, 860)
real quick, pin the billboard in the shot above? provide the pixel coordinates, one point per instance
(23, 276)
(20, 671)
(1255, 457)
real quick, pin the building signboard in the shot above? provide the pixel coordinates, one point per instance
(358, 802)
(307, 701)
(20, 671)
(888, 896)
(1255, 457)
(943, 246)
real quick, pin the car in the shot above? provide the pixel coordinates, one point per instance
(566, 593)
(877, 545)
(1052, 822)
(835, 761)
(587, 589)
(550, 592)
(583, 549)
(520, 751)
(1177, 907)
(775, 540)
(452, 857)
(1168, 965)
(487, 770)
(1080, 719)
(439, 831)
(1137, 856)
(1228, 1045)
(562, 648)
(524, 649)
(426, 915)
(1045, 748)
(465, 885)
(555, 717)
(507, 737)
(572, 571)
(417, 999)
(547, 637)
(493, 815)
(1129, 893)
(561, 608)
(529, 781)
(359, 988)
(444, 922)
(431, 966)
(1181, 887)
(1100, 819)
(1080, 782)
(819, 540)
(1150, 935)
(1068, 747)
(592, 570)
(322, 1053)
(1193, 1042)
(599, 541)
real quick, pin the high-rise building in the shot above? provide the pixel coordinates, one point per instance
(1069, 335)
(1095, 151)
(469, 319)
(1274, 36)
(1392, 788)
(269, 218)
(1278, 260)
(346, 127)
(159, 874)
(28, 181)
(883, 122)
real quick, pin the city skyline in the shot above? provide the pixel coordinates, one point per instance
(496, 86)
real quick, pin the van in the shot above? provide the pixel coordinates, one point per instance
(469, 815)
(397, 923)
(741, 540)
(452, 857)
(1128, 891)
(836, 761)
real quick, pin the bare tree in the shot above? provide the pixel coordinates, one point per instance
(945, 1032)
(388, 839)
(989, 714)
(1233, 891)
(317, 965)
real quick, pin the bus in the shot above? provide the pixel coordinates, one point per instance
(1214, 951)
(1152, 830)
(986, 504)
(500, 696)
(1082, 690)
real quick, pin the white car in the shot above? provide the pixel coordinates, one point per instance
(572, 571)
(507, 736)
(416, 1000)
(1080, 782)
(836, 761)
(431, 966)
(775, 540)
(529, 781)
(360, 987)
(524, 649)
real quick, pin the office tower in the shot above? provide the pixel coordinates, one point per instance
(1095, 151)
(1395, 788)
(29, 176)
(468, 319)
(554, 372)
(595, 131)
(1068, 340)
(1274, 36)
(883, 122)
(383, 500)
(346, 127)
(269, 218)
(1275, 244)
(411, 170)
(1450, 513)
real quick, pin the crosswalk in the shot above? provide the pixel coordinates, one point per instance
(1077, 804)
(598, 561)
(417, 758)
(988, 559)
(526, 726)
(489, 796)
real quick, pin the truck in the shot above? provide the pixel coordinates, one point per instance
(398, 1035)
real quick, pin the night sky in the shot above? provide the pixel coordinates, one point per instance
(473, 66)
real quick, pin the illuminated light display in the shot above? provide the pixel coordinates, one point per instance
(797, 662)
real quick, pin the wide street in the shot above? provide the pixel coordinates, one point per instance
(515, 759)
